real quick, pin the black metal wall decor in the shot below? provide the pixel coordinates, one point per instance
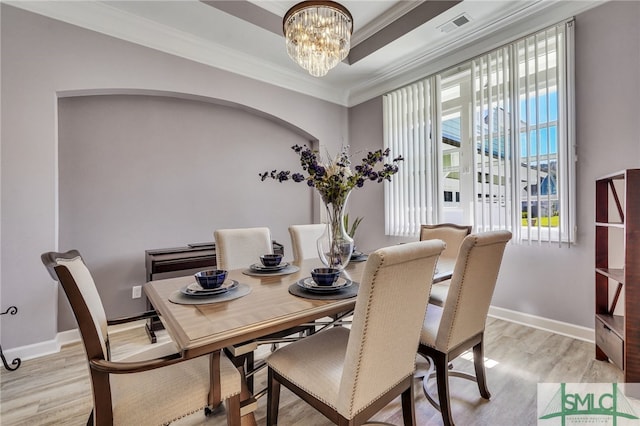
(16, 361)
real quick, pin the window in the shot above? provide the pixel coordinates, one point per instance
(488, 142)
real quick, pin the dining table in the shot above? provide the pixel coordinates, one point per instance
(270, 303)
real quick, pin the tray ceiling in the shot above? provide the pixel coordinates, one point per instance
(394, 42)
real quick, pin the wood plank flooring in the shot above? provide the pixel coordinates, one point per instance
(55, 390)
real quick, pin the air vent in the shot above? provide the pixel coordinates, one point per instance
(455, 23)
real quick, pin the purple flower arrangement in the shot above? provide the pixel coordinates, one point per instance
(334, 179)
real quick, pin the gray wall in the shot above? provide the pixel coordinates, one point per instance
(547, 281)
(141, 172)
(44, 60)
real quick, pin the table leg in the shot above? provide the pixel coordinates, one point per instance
(214, 379)
(248, 403)
(152, 325)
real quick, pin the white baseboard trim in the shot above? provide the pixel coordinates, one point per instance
(68, 337)
(35, 350)
(53, 346)
(563, 328)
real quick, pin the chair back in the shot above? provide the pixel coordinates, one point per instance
(242, 247)
(450, 233)
(387, 321)
(71, 272)
(304, 240)
(471, 289)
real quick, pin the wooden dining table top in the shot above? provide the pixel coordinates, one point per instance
(267, 309)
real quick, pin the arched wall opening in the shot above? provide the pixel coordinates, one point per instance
(145, 170)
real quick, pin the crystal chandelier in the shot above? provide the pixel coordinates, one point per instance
(318, 35)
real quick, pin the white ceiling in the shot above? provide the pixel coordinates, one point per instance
(245, 37)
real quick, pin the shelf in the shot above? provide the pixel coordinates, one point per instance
(614, 322)
(617, 175)
(610, 225)
(613, 273)
(617, 206)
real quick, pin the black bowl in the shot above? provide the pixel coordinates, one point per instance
(325, 276)
(212, 278)
(271, 259)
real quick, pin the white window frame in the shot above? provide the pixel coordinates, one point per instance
(417, 195)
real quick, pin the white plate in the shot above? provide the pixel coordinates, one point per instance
(257, 267)
(309, 284)
(194, 289)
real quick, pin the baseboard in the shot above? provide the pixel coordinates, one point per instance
(32, 351)
(68, 337)
(63, 338)
(565, 329)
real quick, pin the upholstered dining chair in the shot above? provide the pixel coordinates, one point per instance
(241, 247)
(349, 375)
(150, 388)
(304, 243)
(304, 239)
(452, 235)
(458, 325)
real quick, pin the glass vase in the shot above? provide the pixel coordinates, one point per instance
(335, 246)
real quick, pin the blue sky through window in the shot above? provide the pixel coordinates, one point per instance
(541, 107)
(542, 141)
(546, 139)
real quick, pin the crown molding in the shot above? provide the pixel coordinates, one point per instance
(518, 24)
(405, 24)
(366, 31)
(273, 7)
(100, 17)
(390, 16)
(104, 19)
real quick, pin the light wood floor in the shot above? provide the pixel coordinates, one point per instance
(55, 390)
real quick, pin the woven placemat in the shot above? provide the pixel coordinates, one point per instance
(286, 271)
(351, 291)
(182, 299)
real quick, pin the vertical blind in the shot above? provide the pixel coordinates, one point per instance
(409, 197)
(491, 122)
(520, 103)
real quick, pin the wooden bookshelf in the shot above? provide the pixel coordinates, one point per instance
(617, 271)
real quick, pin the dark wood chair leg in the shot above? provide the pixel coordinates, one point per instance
(273, 399)
(249, 366)
(442, 377)
(478, 363)
(233, 411)
(408, 406)
(90, 419)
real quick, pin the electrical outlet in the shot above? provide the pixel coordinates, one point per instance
(136, 292)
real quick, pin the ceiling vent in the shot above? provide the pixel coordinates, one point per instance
(455, 23)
